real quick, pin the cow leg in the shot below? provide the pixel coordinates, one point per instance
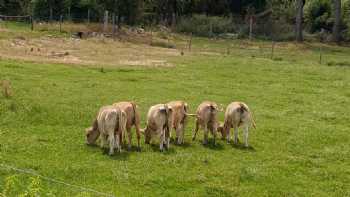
(178, 134)
(103, 140)
(235, 134)
(182, 134)
(228, 135)
(167, 138)
(112, 143)
(129, 137)
(138, 136)
(205, 141)
(161, 140)
(195, 130)
(214, 135)
(118, 142)
(246, 129)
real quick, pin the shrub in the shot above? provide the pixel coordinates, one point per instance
(202, 25)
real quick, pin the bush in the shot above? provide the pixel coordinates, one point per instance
(202, 25)
(318, 15)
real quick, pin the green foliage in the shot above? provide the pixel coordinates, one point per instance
(205, 26)
(318, 15)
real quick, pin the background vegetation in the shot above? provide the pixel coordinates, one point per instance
(201, 17)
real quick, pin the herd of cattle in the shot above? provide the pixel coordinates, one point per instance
(113, 122)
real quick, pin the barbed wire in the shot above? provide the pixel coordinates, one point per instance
(31, 172)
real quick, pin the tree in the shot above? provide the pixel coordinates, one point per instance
(299, 20)
(337, 20)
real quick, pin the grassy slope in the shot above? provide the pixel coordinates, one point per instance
(301, 146)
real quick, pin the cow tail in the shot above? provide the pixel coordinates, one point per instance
(136, 116)
(122, 121)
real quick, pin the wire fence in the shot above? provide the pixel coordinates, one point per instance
(52, 180)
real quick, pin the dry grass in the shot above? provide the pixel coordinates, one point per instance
(92, 51)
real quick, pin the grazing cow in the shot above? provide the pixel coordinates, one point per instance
(109, 123)
(133, 119)
(179, 119)
(158, 123)
(207, 119)
(237, 115)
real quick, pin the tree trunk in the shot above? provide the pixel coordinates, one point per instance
(299, 21)
(337, 20)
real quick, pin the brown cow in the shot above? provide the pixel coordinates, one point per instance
(158, 123)
(133, 119)
(179, 119)
(110, 122)
(237, 115)
(206, 119)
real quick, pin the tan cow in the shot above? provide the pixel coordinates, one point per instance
(207, 120)
(158, 123)
(237, 115)
(179, 119)
(133, 119)
(109, 123)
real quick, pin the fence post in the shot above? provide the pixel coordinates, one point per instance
(250, 27)
(31, 23)
(51, 14)
(211, 29)
(272, 49)
(61, 20)
(114, 26)
(105, 24)
(88, 16)
(190, 43)
(320, 54)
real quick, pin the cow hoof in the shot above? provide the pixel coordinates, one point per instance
(138, 149)
(129, 148)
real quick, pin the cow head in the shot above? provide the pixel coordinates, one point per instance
(91, 135)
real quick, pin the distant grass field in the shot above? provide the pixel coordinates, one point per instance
(300, 148)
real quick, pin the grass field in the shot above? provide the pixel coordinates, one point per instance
(300, 148)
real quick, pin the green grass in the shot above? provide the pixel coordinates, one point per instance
(300, 148)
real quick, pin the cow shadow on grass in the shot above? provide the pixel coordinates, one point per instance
(210, 145)
(155, 148)
(183, 145)
(242, 147)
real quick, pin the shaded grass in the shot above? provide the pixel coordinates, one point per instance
(299, 149)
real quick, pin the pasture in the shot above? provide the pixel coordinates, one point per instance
(300, 147)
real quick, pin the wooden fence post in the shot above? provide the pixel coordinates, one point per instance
(190, 43)
(88, 19)
(320, 55)
(31, 23)
(105, 22)
(51, 14)
(272, 49)
(250, 27)
(114, 25)
(61, 20)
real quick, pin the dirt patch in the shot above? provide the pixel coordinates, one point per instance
(95, 51)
